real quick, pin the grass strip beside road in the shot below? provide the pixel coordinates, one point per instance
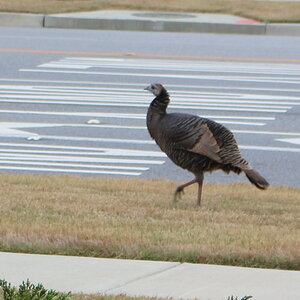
(266, 11)
(135, 219)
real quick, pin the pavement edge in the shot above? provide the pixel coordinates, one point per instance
(54, 21)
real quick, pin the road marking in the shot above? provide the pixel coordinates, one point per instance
(291, 80)
(292, 141)
(146, 105)
(78, 171)
(15, 161)
(49, 158)
(134, 98)
(45, 146)
(137, 116)
(142, 85)
(266, 132)
(269, 148)
(101, 152)
(182, 66)
(111, 94)
(200, 101)
(150, 55)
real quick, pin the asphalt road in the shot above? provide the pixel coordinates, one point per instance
(72, 103)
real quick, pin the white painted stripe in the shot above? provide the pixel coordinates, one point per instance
(106, 140)
(125, 115)
(57, 170)
(182, 99)
(269, 148)
(185, 65)
(238, 117)
(90, 150)
(240, 123)
(142, 85)
(291, 80)
(267, 132)
(194, 107)
(71, 90)
(106, 152)
(137, 100)
(79, 159)
(52, 164)
(65, 66)
(292, 141)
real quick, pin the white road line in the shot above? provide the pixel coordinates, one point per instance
(142, 85)
(89, 166)
(79, 159)
(89, 150)
(172, 106)
(89, 139)
(184, 65)
(32, 125)
(291, 80)
(71, 90)
(192, 68)
(269, 148)
(182, 99)
(57, 170)
(240, 123)
(105, 152)
(124, 115)
(137, 100)
(292, 141)
(266, 132)
(122, 93)
(65, 66)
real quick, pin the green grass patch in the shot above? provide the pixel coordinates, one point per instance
(135, 219)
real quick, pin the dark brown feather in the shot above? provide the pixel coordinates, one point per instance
(194, 143)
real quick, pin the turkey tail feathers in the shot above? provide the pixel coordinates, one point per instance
(255, 178)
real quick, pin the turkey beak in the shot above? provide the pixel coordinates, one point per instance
(148, 88)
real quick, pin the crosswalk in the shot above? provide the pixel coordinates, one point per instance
(86, 115)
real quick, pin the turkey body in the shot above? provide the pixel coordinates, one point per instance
(196, 144)
(178, 134)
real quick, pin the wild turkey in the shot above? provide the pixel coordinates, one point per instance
(196, 144)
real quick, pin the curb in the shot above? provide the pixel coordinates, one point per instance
(67, 22)
(21, 20)
(150, 25)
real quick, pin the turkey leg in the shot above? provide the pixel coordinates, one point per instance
(180, 188)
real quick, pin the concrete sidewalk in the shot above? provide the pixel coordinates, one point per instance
(150, 21)
(149, 278)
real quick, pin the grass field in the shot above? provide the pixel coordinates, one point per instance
(135, 219)
(266, 11)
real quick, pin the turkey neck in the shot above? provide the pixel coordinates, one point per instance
(160, 103)
(156, 111)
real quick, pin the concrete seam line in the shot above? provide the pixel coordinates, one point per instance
(175, 265)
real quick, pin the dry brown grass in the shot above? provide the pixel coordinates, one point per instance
(260, 10)
(126, 218)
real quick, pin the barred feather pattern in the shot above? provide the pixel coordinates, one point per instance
(196, 144)
(172, 130)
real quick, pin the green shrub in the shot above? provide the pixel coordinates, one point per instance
(29, 291)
